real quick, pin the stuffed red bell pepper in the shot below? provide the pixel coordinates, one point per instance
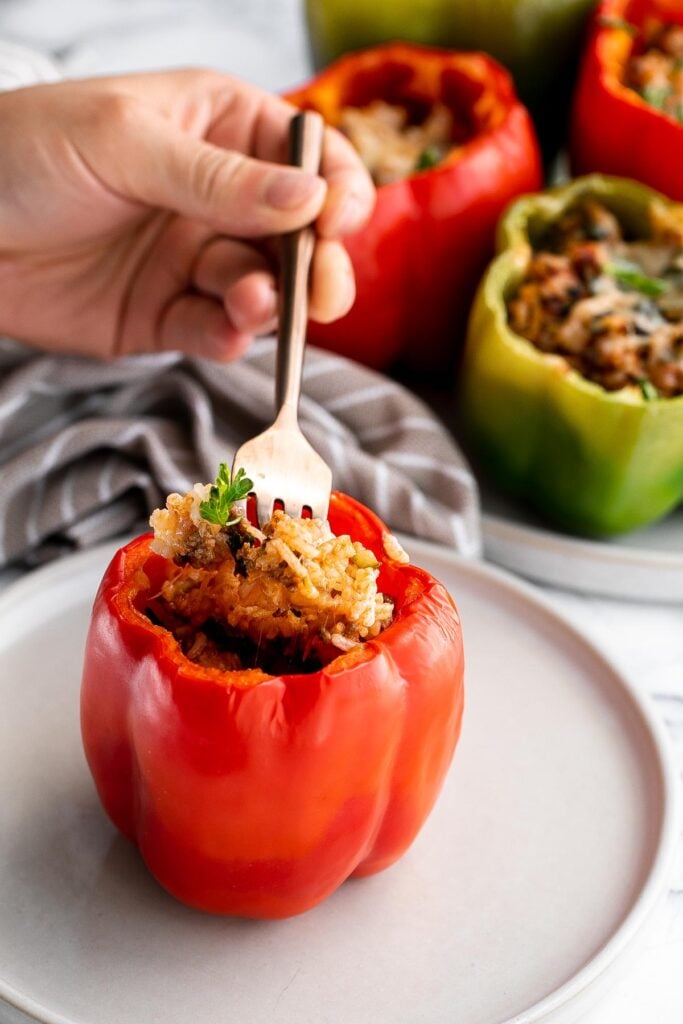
(628, 109)
(449, 145)
(266, 713)
(538, 41)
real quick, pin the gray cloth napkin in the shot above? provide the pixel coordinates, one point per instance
(88, 449)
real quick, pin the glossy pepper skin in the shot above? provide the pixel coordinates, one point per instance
(256, 795)
(538, 41)
(418, 261)
(613, 129)
(592, 461)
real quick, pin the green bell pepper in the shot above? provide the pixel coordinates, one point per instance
(593, 461)
(537, 40)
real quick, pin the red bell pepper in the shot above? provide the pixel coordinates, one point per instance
(615, 130)
(258, 795)
(418, 261)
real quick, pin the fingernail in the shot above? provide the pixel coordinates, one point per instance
(265, 308)
(350, 215)
(286, 190)
(348, 292)
(251, 305)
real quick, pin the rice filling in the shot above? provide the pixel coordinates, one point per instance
(289, 597)
(612, 306)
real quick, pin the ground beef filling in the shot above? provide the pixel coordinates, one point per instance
(391, 145)
(289, 598)
(611, 306)
(655, 71)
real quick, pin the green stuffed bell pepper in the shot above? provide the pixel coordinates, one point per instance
(537, 40)
(572, 382)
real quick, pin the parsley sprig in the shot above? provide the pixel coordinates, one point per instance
(223, 495)
(630, 276)
(619, 23)
(656, 95)
(648, 390)
(428, 158)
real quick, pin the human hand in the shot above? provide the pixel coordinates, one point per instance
(137, 214)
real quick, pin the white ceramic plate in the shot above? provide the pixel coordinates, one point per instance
(538, 869)
(646, 565)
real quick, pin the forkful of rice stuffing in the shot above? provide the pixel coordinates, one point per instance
(285, 589)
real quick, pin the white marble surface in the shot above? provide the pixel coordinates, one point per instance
(263, 40)
(646, 643)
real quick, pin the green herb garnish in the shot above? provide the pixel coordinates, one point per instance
(223, 495)
(656, 95)
(596, 232)
(621, 23)
(648, 389)
(428, 158)
(631, 277)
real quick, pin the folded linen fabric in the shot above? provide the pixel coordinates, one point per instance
(88, 449)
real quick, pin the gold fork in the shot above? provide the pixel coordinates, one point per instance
(281, 463)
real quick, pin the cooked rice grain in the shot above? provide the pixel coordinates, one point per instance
(294, 580)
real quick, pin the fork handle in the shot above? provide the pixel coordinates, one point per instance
(306, 132)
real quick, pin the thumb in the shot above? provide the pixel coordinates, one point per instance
(161, 165)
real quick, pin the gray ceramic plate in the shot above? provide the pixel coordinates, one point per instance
(646, 565)
(537, 871)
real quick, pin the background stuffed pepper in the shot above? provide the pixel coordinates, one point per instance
(419, 259)
(595, 461)
(258, 795)
(538, 41)
(628, 109)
